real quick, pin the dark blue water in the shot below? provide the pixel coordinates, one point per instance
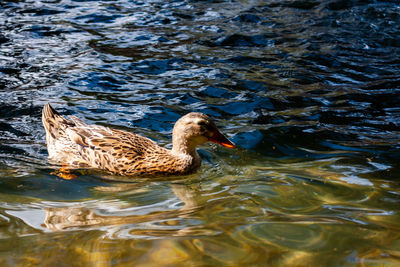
(308, 90)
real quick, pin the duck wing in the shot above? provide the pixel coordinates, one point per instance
(76, 143)
(110, 149)
(111, 141)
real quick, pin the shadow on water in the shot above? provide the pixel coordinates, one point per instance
(308, 90)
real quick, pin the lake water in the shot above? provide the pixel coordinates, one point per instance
(308, 90)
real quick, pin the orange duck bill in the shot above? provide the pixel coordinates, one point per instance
(219, 138)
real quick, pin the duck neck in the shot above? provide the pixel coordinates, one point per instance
(182, 146)
(183, 150)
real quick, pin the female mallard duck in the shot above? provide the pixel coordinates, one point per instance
(72, 142)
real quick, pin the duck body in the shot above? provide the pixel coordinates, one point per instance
(74, 143)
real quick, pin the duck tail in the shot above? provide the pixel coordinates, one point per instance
(49, 111)
(53, 122)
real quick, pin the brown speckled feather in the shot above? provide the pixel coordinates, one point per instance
(77, 144)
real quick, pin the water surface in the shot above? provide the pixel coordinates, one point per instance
(308, 90)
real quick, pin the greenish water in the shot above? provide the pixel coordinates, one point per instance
(308, 90)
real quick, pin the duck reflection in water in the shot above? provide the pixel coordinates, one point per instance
(79, 216)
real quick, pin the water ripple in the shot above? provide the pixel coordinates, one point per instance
(307, 89)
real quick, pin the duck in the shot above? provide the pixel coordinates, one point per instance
(73, 143)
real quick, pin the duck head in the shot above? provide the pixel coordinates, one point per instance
(194, 129)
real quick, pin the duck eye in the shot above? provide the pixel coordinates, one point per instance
(202, 123)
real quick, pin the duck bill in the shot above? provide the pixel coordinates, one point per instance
(219, 138)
